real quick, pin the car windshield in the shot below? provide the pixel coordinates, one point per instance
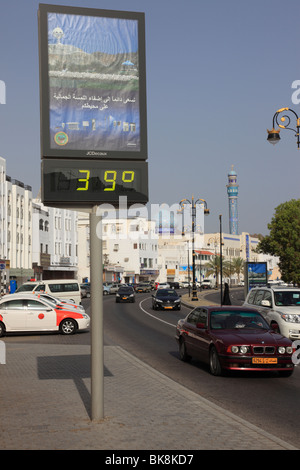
(227, 320)
(166, 292)
(287, 298)
(50, 301)
(26, 288)
(125, 290)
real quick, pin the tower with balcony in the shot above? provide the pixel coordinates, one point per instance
(232, 191)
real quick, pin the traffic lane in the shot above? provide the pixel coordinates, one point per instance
(140, 333)
(265, 400)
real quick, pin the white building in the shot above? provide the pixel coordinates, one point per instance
(130, 249)
(240, 246)
(55, 242)
(175, 255)
(176, 258)
(15, 228)
(130, 245)
(83, 230)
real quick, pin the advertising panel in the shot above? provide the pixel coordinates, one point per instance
(256, 275)
(93, 83)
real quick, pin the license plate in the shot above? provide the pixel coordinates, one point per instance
(124, 298)
(168, 307)
(264, 360)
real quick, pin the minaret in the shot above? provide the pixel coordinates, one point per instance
(232, 191)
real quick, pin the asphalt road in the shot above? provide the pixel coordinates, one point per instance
(265, 400)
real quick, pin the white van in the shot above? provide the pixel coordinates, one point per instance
(59, 288)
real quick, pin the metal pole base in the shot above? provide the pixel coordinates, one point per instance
(97, 351)
(194, 294)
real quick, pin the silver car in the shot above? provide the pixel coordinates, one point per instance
(280, 306)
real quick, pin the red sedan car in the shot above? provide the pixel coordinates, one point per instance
(233, 338)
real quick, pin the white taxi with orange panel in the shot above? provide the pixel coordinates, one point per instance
(26, 312)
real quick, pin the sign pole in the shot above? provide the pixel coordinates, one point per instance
(97, 351)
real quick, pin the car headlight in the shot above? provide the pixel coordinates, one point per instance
(177, 300)
(157, 300)
(239, 349)
(287, 350)
(84, 315)
(292, 318)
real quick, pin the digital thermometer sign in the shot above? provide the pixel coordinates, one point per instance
(85, 183)
(93, 106)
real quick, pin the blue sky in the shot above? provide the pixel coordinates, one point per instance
(216, 73)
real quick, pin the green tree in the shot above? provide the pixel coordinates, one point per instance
(284, 240)
(237, 267)
(213, 267)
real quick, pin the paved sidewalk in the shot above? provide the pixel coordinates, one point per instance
(202, 300)
(45, 404)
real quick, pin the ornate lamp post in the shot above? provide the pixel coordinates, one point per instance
(206, 211)
(273, 135)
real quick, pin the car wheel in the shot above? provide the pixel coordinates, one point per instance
(2, 329)
(275, 327)
(214, 362)
(184, 356)
(68, 326)
(105, 292)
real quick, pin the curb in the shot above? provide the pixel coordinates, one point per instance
(185, 300)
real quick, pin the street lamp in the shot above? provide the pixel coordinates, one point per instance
(206, 212)
(273, 134)
(218, 239)
(221, 261)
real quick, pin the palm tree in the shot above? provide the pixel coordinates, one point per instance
(237, 267)
(213, 267)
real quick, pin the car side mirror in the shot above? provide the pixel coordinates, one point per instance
(265, 303)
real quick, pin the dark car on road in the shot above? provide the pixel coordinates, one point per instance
(125, 294)
(166, 299)
(233, 338)
(174, 285)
